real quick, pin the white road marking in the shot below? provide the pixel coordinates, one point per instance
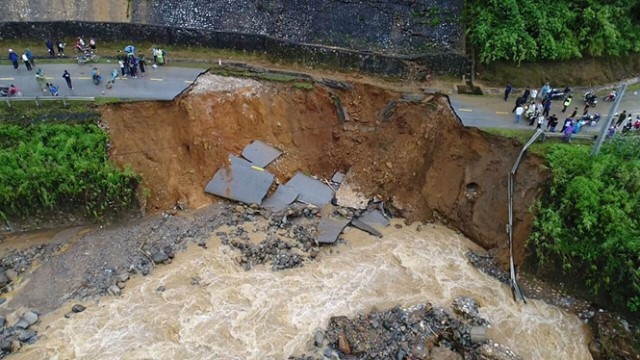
(465, 110)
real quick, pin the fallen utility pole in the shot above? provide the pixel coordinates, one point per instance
(605, 127)
(515, 289)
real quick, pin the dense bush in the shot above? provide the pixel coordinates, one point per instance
(43, 167)
(589, 221)
(526, 30)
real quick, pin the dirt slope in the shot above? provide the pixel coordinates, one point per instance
(421, 160)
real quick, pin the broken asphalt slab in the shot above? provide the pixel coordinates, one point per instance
(359, 224)
(329, 229)
(284, 196)
(374, 217)
(310, 190)
(241, 181)
(260, 153)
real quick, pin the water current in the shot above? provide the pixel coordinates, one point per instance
(261, 314)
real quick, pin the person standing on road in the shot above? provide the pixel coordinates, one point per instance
(574, 113)
(29, 54)
(621, 118)
(507, 91)
(552, 123)
(519, 102)
(49, 46)
(13, 57)
(526, 94)
(566, 103)
(545, 90)
(41, 79)
(142, 63)
(519, 111)
(25, 59)
(547, 108)
(67, 77)
(534, 94)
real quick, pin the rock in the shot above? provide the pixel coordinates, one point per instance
(478, 334)
(495, 351)
(442, 353)
(123, 277)
(239, 209)
(114, 290)
(412, 97)
(77, 308)
(159, 257)
(15, 345)
(120, 284)
(12, 275)
(318, 339)
(25, 335)
(171, 253)
(195, 280)
(343, 344)
(4, 280)
(161, 288)
(615, 339)
(68, 315)
(30, 317)
(465, 306)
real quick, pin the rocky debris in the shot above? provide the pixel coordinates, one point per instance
(494, 351)
(335, 84)
(159, 257)
(388, 111)
(77, 308)
(17, 262)
(419, 332)
(114, 290)
(468, 308)
(416, 98)
(487, 264)
(614, 337)
(12, 338)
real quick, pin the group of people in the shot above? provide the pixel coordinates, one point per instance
(80, 47)
(535, 107)
(130, 63)
(26, 57)
(625, 122)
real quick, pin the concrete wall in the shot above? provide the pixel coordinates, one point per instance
(388, 26)
(312, 55)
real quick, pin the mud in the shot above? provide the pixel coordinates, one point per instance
(419, 159)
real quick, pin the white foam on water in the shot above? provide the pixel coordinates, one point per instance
(261, 314)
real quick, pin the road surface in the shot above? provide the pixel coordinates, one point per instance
(492, 111)
(163, 83)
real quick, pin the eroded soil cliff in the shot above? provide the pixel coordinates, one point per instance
(418, 157)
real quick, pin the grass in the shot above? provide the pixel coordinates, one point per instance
(539, 147)
(27, 113)
(303, 86)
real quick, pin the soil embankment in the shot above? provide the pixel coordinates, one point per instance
(417, 157)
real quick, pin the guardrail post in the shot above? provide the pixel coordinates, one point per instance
(64, 101)
(8, 102)
(37, 102)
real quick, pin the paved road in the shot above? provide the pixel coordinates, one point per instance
(493, 111)
(163, 83)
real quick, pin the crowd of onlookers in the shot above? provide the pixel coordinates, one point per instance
(130, 63)
(534, 107)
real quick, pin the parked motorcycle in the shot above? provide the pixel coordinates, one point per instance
(88, 57)
(6, 91)
(557, 94)
(611, 96)
(590, 98)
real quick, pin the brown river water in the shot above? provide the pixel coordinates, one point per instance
(261, 314)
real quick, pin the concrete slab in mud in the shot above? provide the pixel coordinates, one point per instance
(311, 191)
(374, 217)
(357, 223)
(260, 153)
(284, 196)
(338, 177)
(329, 229)
(241, 181)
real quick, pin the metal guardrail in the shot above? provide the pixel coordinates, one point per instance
(37, 99)
(517, 293)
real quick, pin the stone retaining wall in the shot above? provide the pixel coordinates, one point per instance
(415, 66)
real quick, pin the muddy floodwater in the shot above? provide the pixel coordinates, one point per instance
(230, 313)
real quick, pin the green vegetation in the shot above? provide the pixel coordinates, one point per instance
(47, 167)
(588, 222)
(526, 30)
(303, 86)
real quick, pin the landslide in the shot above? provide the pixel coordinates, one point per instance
(420, 159)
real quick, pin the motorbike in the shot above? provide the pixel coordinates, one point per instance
(611, 96)
(5, 91)
(591, 120)
(557, 94)
(96, 79)
(88, 57)
(590, 98)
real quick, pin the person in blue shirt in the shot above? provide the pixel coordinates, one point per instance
(13, 57)
(52, 89)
